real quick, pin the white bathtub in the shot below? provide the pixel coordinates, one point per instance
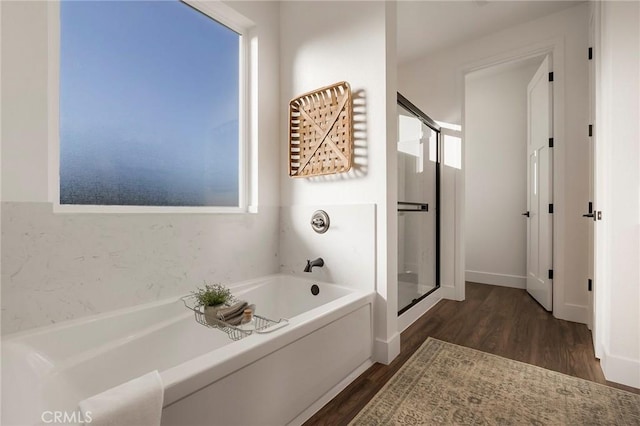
(275, 378)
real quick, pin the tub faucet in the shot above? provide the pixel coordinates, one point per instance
(311, 263)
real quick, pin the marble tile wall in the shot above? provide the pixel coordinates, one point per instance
(348, 247)
(57, 267)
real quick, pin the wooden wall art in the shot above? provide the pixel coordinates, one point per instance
(321, 132)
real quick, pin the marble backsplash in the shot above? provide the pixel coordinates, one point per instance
(348, 247)
(57, 267)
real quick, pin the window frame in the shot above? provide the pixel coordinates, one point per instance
(222, 14)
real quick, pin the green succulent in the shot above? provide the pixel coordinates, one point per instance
(212, 295)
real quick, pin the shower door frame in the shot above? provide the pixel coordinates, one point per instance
(427, 121)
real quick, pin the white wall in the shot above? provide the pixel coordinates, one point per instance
(323, 43)
(343, 41)
(435, 84)
(24, 100)
(617, 126)
(496, 174)
(62, 266)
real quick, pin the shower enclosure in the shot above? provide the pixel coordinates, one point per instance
(418, 205)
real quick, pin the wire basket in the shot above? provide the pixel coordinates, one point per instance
(263, 325)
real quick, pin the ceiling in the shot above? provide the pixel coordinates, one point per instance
(427, 26)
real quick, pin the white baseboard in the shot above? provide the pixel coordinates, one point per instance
(416, 311)
(448, 292)
(332, 393)
(569, 312)
(385, 351)
(625, 371)
(504, 280)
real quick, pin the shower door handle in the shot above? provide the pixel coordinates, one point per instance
(417, 207)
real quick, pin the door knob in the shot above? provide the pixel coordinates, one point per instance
(525, 214)
(591, 213)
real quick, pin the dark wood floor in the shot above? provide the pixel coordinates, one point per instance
(499, 320)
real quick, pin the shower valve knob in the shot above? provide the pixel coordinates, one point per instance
(320, 221)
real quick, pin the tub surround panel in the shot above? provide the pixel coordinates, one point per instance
(57, 267)
(327, 397)
(348, 247)
(296, 376)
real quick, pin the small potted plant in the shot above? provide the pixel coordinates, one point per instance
(212, 298)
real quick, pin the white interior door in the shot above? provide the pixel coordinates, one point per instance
(540, 187)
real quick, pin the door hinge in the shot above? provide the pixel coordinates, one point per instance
(590, 284)
(551, 76)
(590, 53)
(551, 208)
(550, 142)
(550, 274)
(590, 130)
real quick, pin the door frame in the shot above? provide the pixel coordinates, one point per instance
(600, 172)
(555, 49)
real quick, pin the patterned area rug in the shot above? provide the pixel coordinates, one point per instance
(443, 383)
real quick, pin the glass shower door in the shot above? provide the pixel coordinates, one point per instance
(418, 256)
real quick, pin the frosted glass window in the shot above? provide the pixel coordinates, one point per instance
(149, 105)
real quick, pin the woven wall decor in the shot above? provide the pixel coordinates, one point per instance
(321, 131)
